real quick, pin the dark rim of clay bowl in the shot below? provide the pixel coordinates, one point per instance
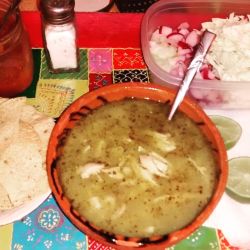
(115, 92)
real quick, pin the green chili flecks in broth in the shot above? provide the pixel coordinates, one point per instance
(130, 171)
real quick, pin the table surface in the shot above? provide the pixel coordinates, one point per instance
(115, 59)
(51, 94)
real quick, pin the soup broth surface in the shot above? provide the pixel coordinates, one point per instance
(130, 171)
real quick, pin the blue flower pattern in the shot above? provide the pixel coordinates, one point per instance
(47, 228)
(49, 219)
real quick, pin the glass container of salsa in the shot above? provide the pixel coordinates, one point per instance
(16, 61)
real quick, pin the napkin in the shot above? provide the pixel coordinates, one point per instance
(233, 219)
(232, 216)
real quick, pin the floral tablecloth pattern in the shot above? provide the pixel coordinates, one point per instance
(47, 227)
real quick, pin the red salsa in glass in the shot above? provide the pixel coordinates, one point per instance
(16, 62)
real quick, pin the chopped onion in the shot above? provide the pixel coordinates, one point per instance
(95, 202)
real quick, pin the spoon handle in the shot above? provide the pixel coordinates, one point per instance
(193, 67)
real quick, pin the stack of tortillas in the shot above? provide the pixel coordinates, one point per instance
(24, 135)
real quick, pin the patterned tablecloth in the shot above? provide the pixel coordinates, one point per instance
(47, 227)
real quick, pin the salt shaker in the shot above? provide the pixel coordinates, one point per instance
(59, 34)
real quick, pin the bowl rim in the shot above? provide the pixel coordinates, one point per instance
(142, 91)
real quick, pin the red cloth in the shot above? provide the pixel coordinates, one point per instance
(95, 30)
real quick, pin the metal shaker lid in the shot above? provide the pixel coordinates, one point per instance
(57, 11)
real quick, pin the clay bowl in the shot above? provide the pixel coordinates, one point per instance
(95, 99)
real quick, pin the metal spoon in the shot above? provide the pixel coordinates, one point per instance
(193, 67)
(14, 4)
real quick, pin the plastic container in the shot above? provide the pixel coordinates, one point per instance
(209, 93)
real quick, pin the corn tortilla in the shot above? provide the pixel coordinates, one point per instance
(10, 111)
(5, 200)
(24, 135)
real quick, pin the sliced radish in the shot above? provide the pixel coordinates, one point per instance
(175, 49)
(187, 60)
(204, 73)
(193, 38)
(183, 45)
(160, 30)
(182, 51)
(184, 32)
(189, 55)
(210, 66)
(174, 38)
(184, 25)
(165, 30)
(211, 75)
(207, 73)
(180, 58)
(199, 32)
